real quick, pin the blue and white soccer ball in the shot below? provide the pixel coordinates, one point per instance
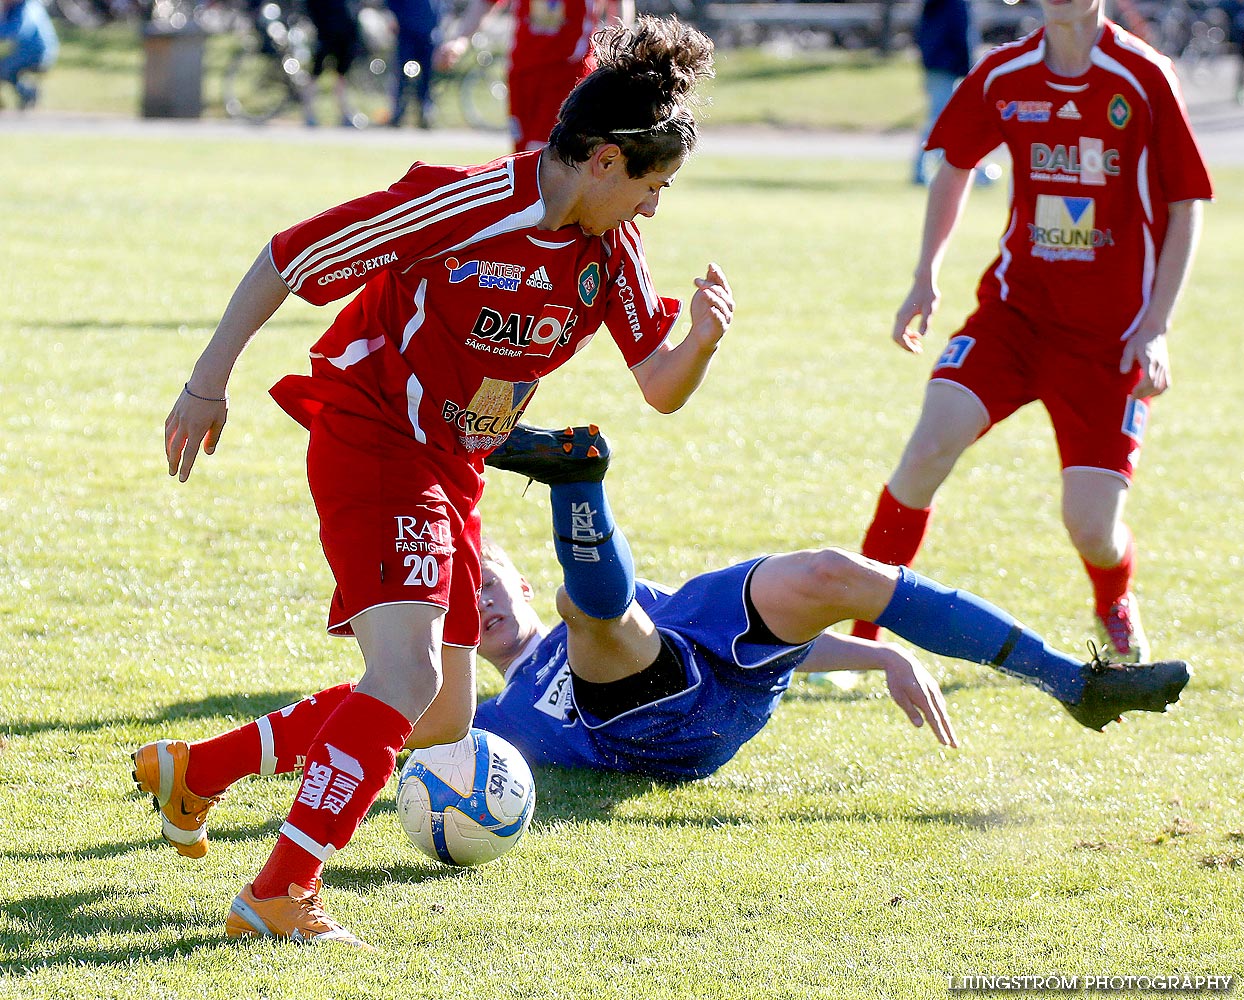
(468, 802)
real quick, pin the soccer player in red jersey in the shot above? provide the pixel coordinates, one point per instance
(551, 52)
(1104, 217)
(472, 283)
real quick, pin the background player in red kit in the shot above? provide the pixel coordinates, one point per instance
(551, 53)
(473, 282)
(1074, 312)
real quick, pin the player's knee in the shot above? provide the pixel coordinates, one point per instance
(408, 684)
(829, 575)
(1095, 538)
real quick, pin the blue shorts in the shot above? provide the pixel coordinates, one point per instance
(733, 688)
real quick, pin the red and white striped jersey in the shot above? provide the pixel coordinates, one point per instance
(462, 305)
(1097, 161)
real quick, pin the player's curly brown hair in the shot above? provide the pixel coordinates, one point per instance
(641, 96)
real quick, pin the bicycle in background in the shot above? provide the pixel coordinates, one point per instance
(269, 75)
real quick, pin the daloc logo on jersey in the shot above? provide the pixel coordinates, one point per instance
(1089, 162)
(517, 334)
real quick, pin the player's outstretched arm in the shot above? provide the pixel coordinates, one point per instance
(198, 416)
(670, 377)
(911, 686)
(1147, 345)
(947, 195)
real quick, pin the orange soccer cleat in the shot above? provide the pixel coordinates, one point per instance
(160, 771)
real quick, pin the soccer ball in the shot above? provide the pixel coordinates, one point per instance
(468, 802)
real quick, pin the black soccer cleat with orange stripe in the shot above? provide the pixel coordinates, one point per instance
(569, 455)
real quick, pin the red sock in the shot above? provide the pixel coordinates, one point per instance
(347, 767)
(894, 537)
(1110, 583)
(274, 744)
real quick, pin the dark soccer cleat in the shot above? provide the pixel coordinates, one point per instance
(1110, 689)
(571, 455)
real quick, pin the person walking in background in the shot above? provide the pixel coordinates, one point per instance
(1104, 218)
(417, 24)
(337, 40)
(551, 52)
(25, 24)
(465, 286)
(946, 37)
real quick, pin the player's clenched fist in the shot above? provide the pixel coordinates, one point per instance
(712, 306)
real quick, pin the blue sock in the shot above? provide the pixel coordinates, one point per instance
(595, 556)
(959, 624)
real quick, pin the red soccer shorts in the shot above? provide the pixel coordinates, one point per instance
(399, 523)
(536, 97)
(1006, 361)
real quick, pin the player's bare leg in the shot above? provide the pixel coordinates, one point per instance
(950, 420)
(1093, 502)
(448, 718)
(604, 650)
(800, 594)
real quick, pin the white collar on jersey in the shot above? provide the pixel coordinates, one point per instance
(524, 654)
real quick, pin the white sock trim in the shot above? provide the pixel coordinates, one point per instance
(321, 852)
(267, 746)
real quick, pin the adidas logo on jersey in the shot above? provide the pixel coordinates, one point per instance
(540, 279)
(1069, 111)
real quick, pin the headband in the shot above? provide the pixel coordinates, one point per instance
(647, 128)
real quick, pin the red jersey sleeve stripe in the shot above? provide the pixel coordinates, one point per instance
(628, 237)
(381, 236)
(1112, 65)
(408, 217)
(1022, 61)
(1134, 47)
(397, 210)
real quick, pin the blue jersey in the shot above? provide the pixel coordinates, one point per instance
(732, 688)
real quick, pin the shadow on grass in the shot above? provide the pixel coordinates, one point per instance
(240, 706)
(263, 832)
(62, 929)
(874, 690)
(579, 796)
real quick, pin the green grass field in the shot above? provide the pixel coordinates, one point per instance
(841, 854)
